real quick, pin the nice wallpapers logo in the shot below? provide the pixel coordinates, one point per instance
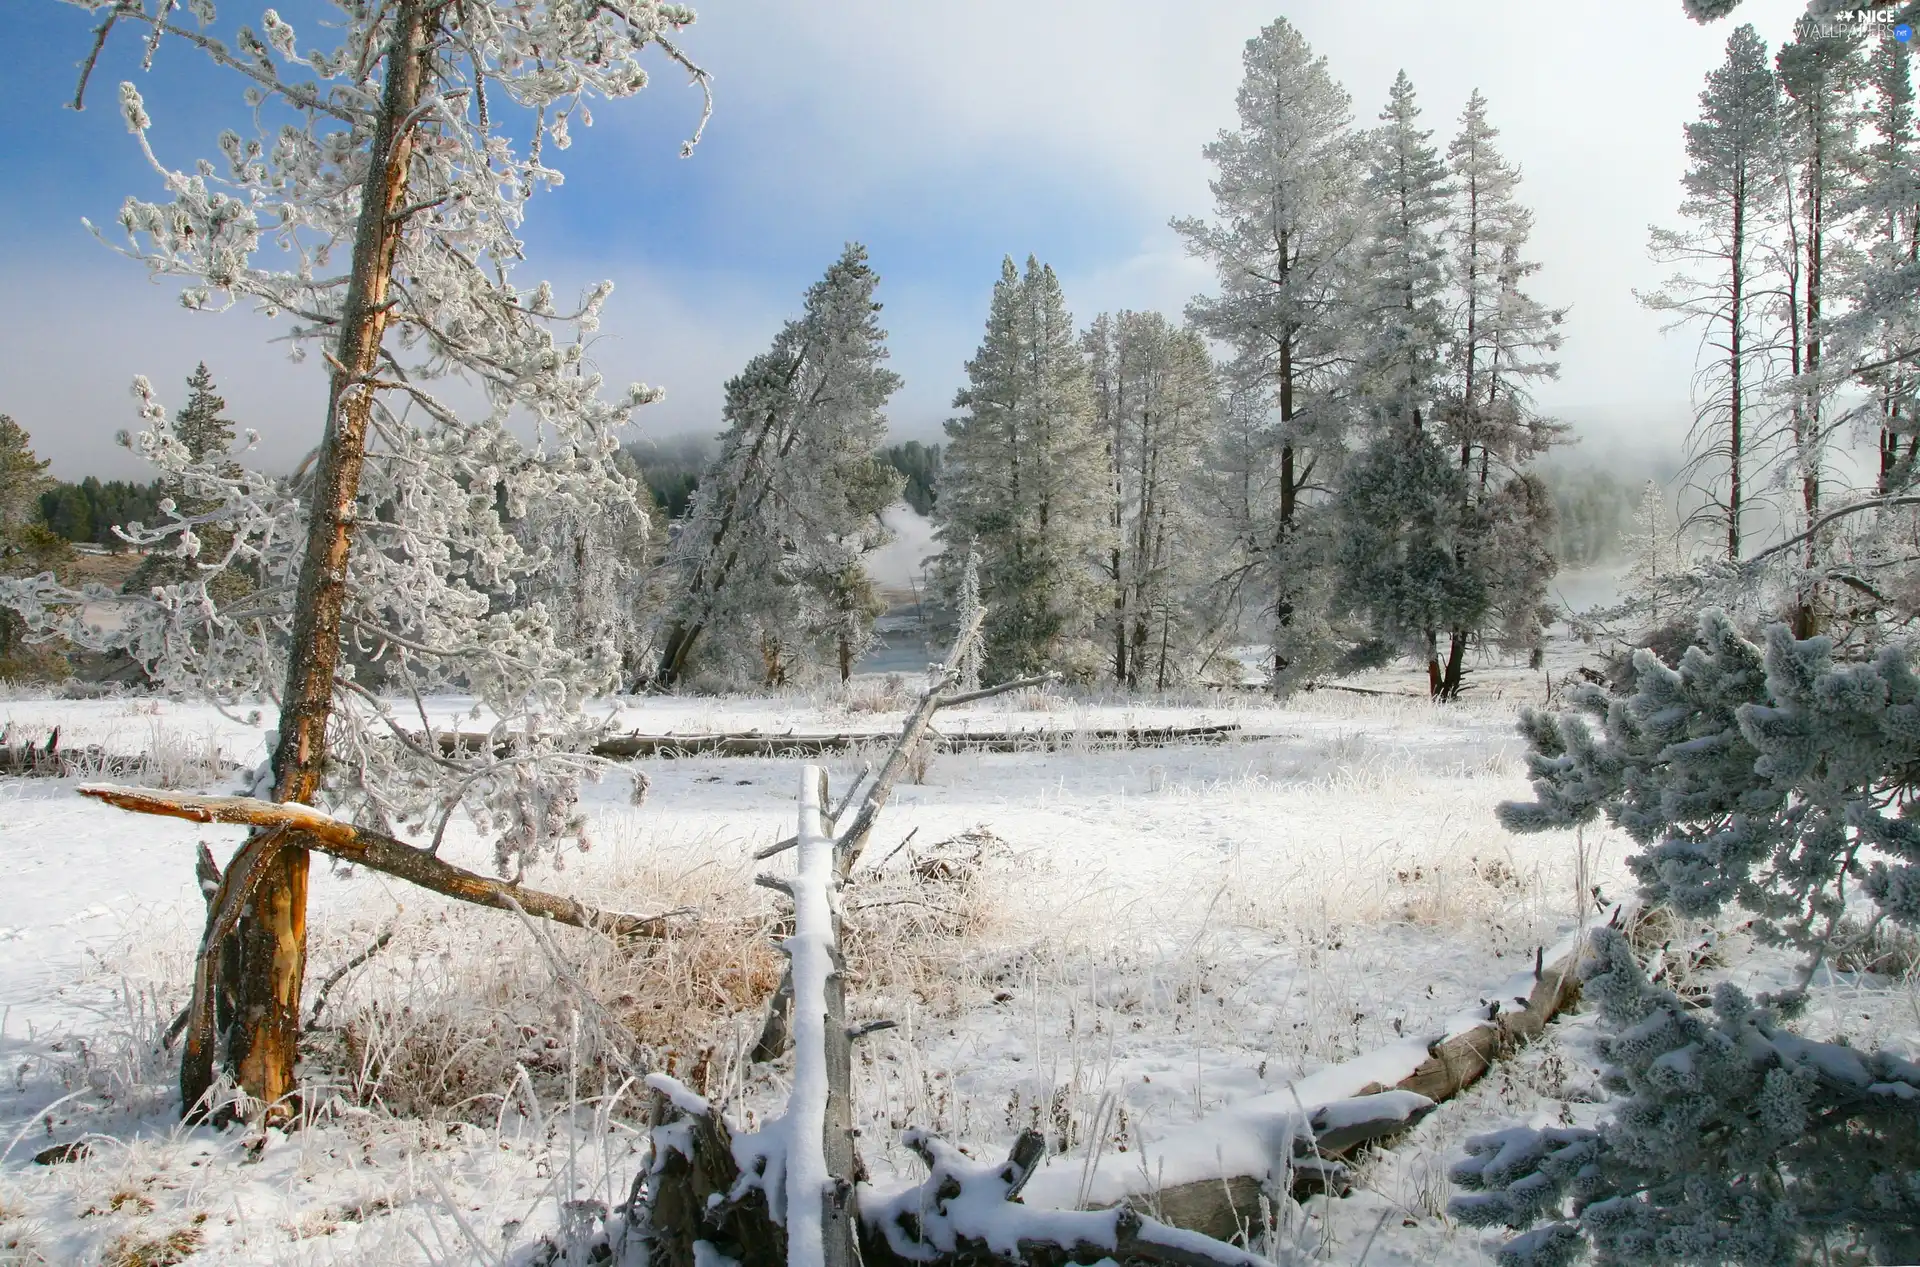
(1877, 21)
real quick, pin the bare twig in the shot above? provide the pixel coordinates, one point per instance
(333, 978)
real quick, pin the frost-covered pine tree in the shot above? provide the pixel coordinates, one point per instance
(372, 207)
(1024, 481)
(766, 578)
(1283, 240)
(1502, 342)
(1733, 205)
(1155, 401)
(208, 438)
(1401, 287)
(1405, 517)
(1883, 328)
(1774, 777)
(1732, 1141)
(1820, 72)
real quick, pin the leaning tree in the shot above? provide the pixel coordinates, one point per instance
(371, 206)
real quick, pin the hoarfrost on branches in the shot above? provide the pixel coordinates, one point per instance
(438, 571)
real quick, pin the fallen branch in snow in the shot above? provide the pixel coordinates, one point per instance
(31, 760)
(1211, 1174)
(785, 1192)
(969, 1212)
(370, 849)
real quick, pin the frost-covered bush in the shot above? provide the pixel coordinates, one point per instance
(1733, 1141)
(1777, 779)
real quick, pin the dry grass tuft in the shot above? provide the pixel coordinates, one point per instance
(20, 1236)
(889, 694)
(137, 1249)
(458, 1009)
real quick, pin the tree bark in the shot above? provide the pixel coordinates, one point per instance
(271, 936)
(1450, 682)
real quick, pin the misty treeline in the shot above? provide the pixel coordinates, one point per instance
(1330, 456)
(1796, 263)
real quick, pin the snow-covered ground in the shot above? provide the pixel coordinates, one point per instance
(1102, 943)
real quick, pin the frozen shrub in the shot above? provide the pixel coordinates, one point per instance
(1733, 1141)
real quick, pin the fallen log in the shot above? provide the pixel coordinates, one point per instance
(969, 1212)
(51, 761)
(786, 1193)
(754, 743)
(1212, 1172)
(370, 849)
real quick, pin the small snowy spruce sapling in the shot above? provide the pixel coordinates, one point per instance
(1732, 1141)
(1774, 778)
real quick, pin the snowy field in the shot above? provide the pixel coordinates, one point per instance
(1106, 944)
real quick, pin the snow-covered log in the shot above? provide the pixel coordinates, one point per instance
(797, 744)
(786, 1192)
(1208, 1176)
(969, 1212)
(318, 830)
(818, 1123)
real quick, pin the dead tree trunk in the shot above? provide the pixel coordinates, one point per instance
(790, 1193)
(271, 932)
(796, 1202)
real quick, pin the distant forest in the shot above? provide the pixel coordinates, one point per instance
(87, 512)
(1594, 505)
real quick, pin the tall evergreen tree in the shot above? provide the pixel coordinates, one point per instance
(206, 436)
(1155, 403)
(1402, 285)
(1024, 483)
(23, 478)
(1820, 72)
(1887, 314)
(1406, 519)
(769, 562)
(1733, 200)
(1282, 243)
(1502, 338)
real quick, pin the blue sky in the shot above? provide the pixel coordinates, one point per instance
(943, 136)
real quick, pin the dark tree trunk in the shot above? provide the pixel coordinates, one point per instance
(1456, 657)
